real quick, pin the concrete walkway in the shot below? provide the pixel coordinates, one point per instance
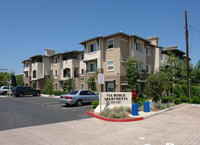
(180, 126)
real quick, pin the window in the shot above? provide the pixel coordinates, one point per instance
(138, 47)
(93, 67)
(82, 56)
(139, 67)
(82, 71)
(26, 64)
(64, 57)
(34, 74)
(148, 69)
(82, 86)
(148, 50)
(92, 47)
(110, 66)
(110, 43)
(56, 60)
(110, 87)
(26, 74)
(56, 73)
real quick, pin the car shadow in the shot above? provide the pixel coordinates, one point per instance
(74, 106)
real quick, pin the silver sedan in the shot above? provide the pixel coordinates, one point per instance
(78, 97)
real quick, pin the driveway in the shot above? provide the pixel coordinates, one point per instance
(180, 126)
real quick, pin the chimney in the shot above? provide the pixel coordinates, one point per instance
(153, 40)
(49, 52)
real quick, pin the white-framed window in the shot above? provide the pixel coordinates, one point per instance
(92, 47)
(148, 50)
(139, 67)
(110, 43)
(110, 65)
(138, 47)
(148, 69)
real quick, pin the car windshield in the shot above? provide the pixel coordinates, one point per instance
(73, 92)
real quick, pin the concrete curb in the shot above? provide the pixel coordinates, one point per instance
(113, 120)
(131, 119)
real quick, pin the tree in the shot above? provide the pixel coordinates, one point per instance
(195, 75)
(20, 81)
(156, 85)
(13, 80)
(48, 87)
(68, 85)
(132, 73)
(92, 81)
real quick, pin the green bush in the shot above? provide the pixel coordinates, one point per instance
(140, 101)
(195, 100)
(95, 104)
(159, 105)
(177, 101)
(44, 92)
(58, 93)
(167, 99)
(182, 91)
(184, 99)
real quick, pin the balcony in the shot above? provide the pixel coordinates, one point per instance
(37, 70)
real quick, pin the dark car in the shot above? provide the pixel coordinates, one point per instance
(21, 91)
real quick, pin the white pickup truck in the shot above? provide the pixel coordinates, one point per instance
(4, 90)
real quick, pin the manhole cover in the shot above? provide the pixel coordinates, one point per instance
(141, 138)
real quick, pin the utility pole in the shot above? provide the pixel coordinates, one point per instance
(187, 54)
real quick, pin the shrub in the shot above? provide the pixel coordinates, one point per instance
(195, 100)
(159, 105)
(140, 101)
(44, 92)
(95, 104)
(167, 99)
(184, 99)
(58, 93)
(116, 112)
(177, 101)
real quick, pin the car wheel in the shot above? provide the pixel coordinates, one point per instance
(37, 94)
(79, 103)
(21, 95)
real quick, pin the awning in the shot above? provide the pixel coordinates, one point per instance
(90, 60)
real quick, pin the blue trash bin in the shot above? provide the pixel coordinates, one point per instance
(146, 106)
(134, 109)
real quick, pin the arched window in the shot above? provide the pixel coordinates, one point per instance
(34, 74)
(66, 73)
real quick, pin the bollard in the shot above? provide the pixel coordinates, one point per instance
(146, 106)
(134, 109)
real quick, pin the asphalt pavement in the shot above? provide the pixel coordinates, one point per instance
(16, 112)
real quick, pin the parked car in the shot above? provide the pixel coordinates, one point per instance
(4, 90)
(21, 91)
(78, 97)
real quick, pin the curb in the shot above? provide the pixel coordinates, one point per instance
(131, 119)
(113, 120)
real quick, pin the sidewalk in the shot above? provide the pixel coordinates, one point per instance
(180, 126)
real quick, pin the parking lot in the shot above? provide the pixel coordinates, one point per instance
(26, 111)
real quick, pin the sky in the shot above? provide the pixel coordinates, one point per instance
(28, 27)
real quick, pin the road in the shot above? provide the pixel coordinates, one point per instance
(17, 112)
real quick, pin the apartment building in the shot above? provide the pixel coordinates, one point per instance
(108, 54)
(61, 66)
